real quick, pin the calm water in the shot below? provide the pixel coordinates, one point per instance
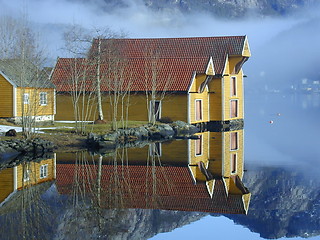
(159, 191)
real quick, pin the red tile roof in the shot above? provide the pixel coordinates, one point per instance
(177, 59)
(147, 187)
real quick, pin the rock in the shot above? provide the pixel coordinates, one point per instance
(98, 121)
(107, 144)
(110, 137)
(11, 133)
(183, 129)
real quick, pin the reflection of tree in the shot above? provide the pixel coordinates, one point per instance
(25, 215)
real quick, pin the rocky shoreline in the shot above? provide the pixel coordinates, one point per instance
(134, 136)
(15, 151)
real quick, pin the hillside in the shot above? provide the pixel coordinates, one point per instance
(219, 8)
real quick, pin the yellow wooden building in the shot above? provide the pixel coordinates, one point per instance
(25, 91)
(203, 174)
(25, 175)
(197, 80)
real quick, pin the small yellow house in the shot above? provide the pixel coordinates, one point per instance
(25, 91)
(25, 175)
(196, 80)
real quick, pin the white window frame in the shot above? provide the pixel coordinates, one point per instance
(237, 139)
(233, 164)
(200, 139)
(26, 98)
(43, 171)
(235, 86)
(195, 109)
(155, 149)
(151, 110)
(26, 175)
(237, 102)
(43, 98)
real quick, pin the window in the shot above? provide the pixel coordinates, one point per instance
(155, 149)
(198, 146)
(234, 141)
(234, 108)
(198, 109)
(233, 163)
(26, 175)
(155, 110)
(233, 86)
(26, 98)
(44, 171)
(43, 98)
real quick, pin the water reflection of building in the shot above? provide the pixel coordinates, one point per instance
(24, 175)
(194, 175)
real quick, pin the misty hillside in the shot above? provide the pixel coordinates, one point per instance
(283, 204)
(220, 8)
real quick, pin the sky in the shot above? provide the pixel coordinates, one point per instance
(289, 42)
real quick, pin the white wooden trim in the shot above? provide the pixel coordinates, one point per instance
(15, 178)
(208, 105)
(14, 103)
(210, 191)
(242, 155)
(225, 185)
(225, 64)
(192, 80)
(188, 98)
(188, 108)
(193, 177)
(246, 206)
(242, 101)
(54, 102)
(223, 99)
(244, 44)
(222, 151)
(55, 165)
(208, 66)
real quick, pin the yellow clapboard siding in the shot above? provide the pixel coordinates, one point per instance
(215, 154)
(228, 152)
(194, 95)
(6, 98)
(228, 96)
(34, 173)
(173, 105)
(6, 183)
(215, 99)
(34, 108)
(203, 157)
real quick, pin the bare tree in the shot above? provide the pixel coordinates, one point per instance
(24, 62)
(156, 85)
(97, 60)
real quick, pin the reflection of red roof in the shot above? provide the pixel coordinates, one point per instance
(176, 60)
(147, 187)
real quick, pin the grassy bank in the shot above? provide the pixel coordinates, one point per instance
(65, 136)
